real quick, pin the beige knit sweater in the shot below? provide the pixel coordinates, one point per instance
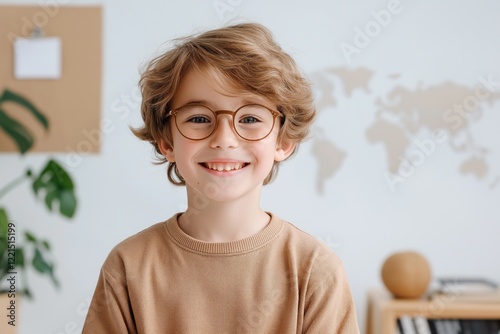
(281, 281)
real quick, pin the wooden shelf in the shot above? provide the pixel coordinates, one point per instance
(384, 310)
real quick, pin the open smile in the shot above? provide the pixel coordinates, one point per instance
(224, 166)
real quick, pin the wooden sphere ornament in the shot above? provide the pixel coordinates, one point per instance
(406, 274)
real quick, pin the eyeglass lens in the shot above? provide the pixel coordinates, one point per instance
(251, 122)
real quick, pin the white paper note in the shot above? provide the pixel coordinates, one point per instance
(37, 58)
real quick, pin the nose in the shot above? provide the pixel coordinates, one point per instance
(224, 135)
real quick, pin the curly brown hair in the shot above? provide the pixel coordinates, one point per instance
(245, 56)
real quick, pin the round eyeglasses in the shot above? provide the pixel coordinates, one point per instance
(251, 122)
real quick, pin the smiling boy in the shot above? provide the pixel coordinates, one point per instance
(223, 108)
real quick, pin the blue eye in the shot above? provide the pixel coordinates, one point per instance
(199, 119)
(249, 119)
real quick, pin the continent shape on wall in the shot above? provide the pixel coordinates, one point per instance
(411, 124)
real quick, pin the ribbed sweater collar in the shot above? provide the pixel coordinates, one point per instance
(223, 248)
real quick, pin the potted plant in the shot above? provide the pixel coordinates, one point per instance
(21, 250)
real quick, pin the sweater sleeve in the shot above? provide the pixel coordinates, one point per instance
(110, 311)
(329, 306)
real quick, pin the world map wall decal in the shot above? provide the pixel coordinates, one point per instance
(410, 123)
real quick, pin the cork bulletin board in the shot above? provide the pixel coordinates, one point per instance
(71, 103)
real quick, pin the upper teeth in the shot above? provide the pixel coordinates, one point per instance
(224, 166)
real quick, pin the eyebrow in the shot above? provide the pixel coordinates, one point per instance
(243, 102)
(256, 100)
(202, 102)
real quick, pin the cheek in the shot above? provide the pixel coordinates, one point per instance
(182, 151)
(186, 152)
(264, 151)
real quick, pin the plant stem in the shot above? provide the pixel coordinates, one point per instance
(12, 185)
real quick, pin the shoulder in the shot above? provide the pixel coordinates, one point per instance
(144, 239)
(316, 267)
(308, 245)
(328, 302)
(136, 249)
(313, 260)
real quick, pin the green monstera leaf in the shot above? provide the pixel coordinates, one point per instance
(18, 132)
(4, 227)
(53, 184)
(58, 187)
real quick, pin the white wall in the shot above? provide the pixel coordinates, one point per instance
(450, 218)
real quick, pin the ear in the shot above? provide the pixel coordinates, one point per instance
(166, 150)
(284, 149)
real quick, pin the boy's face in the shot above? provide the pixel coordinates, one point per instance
(223, 166)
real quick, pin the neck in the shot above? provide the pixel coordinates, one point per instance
(223, 221)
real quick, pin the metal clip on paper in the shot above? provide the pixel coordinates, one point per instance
(37, 32)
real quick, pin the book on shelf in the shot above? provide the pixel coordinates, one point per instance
(421, 325)
(477, 297)
(470, 290)
(466, 284)
(406, 325)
